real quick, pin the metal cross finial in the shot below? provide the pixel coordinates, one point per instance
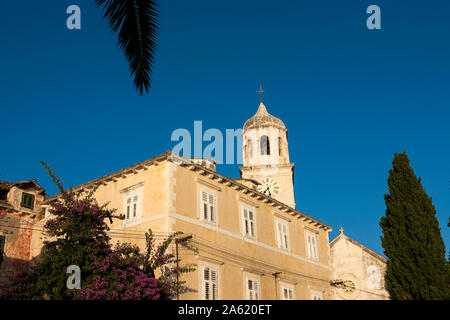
(341, 230)
(261, 91)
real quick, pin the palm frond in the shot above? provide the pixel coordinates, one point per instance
(137, 24)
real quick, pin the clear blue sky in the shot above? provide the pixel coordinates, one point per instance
(349, 97)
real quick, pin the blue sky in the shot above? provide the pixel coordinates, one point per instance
(350, 97)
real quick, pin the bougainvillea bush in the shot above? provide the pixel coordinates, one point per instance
(79, 236)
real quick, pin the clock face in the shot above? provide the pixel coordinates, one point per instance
(269, 187)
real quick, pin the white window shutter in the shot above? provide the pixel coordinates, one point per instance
(315, 247)
(279, 234)
(206, 285)
(128, 208)
(308, 239)
(214, 284)
(251, 217)
(210, 283)
(212, 208)
(204, 205)
(285, 236)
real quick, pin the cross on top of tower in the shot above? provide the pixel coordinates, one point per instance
(261, 91)
(341, 230)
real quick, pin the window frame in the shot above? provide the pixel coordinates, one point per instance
(248, 291)
(210, 218)
(212, 293)
(251, 222)
(282, 239)
(133, 204)
(29, 204)
(288, 288)
(312, 235)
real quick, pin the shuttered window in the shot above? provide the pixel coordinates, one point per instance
(208, 205)
(252, 289)
(210, 283)
(311, 240)
(248, 222)
(2, 248)
(282, 234)
(27, 200)
(287, 293)
(132, 206)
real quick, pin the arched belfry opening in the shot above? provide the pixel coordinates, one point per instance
(264, 145)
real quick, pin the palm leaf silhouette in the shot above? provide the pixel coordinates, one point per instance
(137, 24)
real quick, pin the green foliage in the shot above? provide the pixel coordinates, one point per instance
(416, 266)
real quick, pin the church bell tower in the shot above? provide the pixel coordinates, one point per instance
(266, 156)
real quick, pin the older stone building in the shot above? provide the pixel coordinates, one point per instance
(20, 211)
(358, 272)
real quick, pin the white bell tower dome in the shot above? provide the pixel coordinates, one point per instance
(266, 156)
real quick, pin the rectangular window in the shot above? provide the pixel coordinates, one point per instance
(248, 222)
(210, 283)
(208, 206)
(27, 200)
(311, 240)
(282, 234)
(252, 289)
(287, 293)
(2, 248)
(132, 204)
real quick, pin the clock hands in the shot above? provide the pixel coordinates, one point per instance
(268, 186)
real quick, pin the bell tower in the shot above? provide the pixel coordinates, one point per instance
(266, 156)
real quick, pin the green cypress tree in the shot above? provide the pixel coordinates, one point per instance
(416, 266)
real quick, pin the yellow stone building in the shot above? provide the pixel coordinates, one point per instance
(248, 240)
(358, 272)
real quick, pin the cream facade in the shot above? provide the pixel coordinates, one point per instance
(358, 272)
(231, 260)
(248, 240)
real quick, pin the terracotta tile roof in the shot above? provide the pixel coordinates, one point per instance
(5, 185)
